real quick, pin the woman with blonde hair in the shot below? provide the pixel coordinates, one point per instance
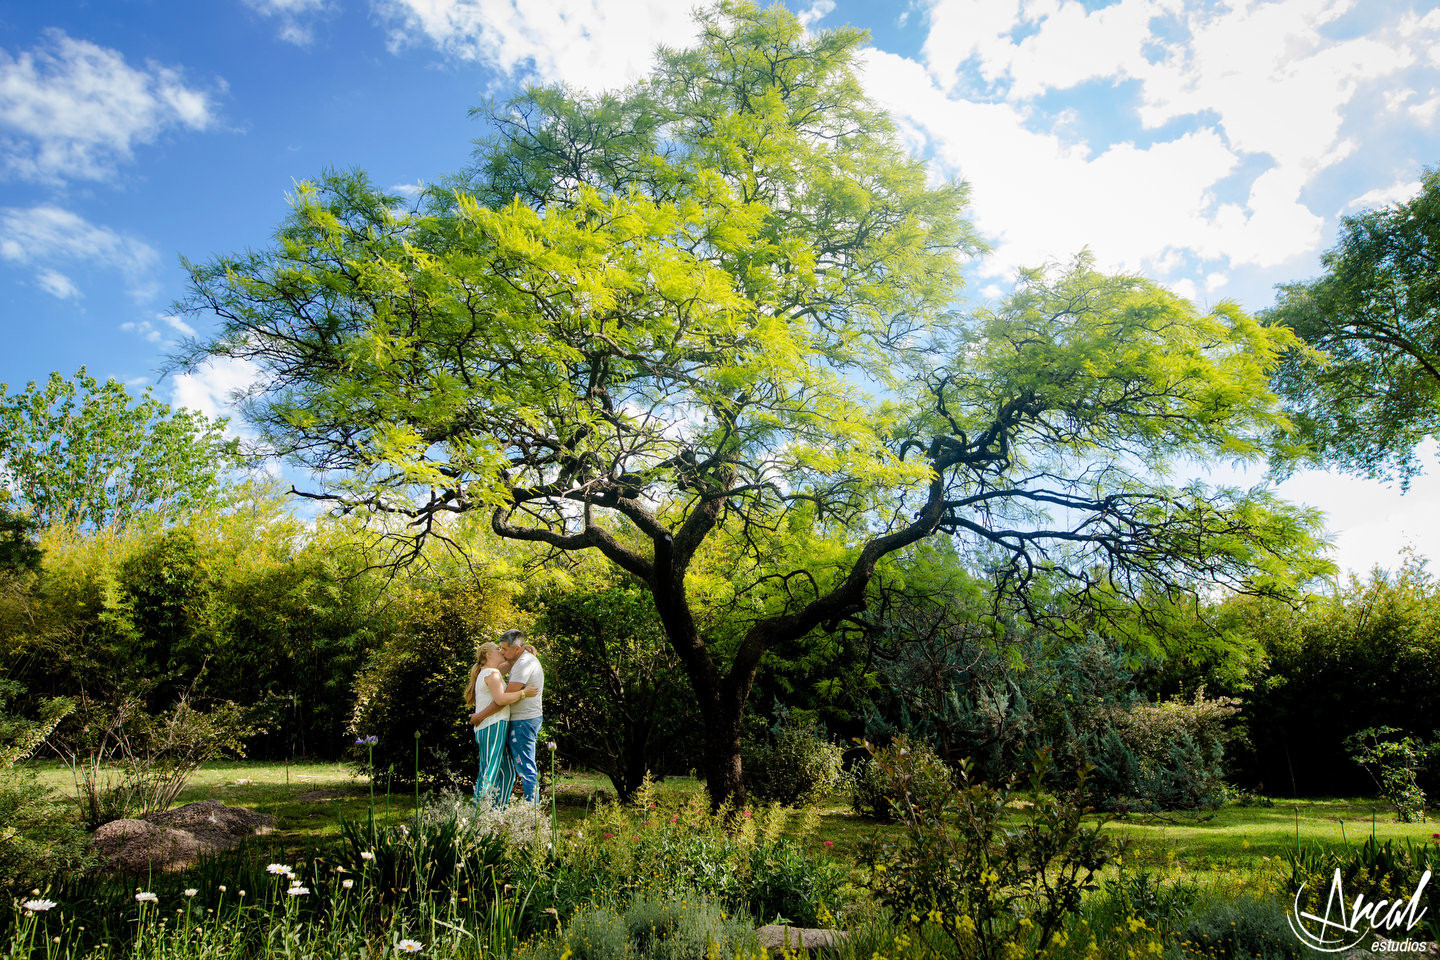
(489, 705)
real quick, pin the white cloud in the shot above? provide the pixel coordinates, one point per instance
(57, 284)
(215, 386)
(592, 44)
(156, 332)
(72, 110)
(296, 17)
(408, 189)
(1384, 196)
(45, 235)
(816, 12)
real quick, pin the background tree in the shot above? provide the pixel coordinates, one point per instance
(647, 324)
(81, 453)
(1370, 389)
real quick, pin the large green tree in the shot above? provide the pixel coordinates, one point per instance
(705, 327)
(1369, 390)
(85, 454)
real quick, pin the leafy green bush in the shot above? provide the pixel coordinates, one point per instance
(616, 698)
(736, 858)
(413, 687)
(39, 840)
(652, 929)
(965, 866)
(1394, 762)
(872, 783)
(1161, 756)
(794, 764)
(1241, 929)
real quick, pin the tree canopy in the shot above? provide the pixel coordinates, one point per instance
(1369, 391)
(707, 327)
(85, 454)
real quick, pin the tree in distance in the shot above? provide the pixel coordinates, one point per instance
(1369, 389)
(646, 324)
(84, 454)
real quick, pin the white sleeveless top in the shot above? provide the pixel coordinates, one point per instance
(483, 700)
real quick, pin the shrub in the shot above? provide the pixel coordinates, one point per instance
(413, 687)
(964, 866)
(1162, 756)
(38, 839)
(794, 764)
(1242, 929)
(736, 858)
(871, 782)
(653, 929)
(616, 699)
(1394, 762)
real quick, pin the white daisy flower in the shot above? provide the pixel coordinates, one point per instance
(298, 891)
(191, 891)
(409, 946)
(347, 884)
(38, 906)
(280, 868)
(145, 896)
(366, 855)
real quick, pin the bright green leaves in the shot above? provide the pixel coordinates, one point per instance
(84, 454)
(1369, 391)
(1112, 364)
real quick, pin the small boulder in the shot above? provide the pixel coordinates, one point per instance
(780, 936)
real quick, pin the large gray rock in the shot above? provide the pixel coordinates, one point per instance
(174, 839)
(779, 936)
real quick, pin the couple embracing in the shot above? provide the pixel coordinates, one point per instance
(506, 716)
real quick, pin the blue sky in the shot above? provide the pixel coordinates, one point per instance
(1212, 146)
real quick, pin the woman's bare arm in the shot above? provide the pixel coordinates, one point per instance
(500, 697)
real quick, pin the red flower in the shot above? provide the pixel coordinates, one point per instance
(829, 843)
(675, 819)
(609, 835)
(747, 813)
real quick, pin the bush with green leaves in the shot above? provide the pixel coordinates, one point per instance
(649, 928)
(1244, 927)
(794, 763)
(737, 858)
(872, 782)
(616, 699)
(409, 696)
(1394, 762)
(39, 839)
(964, 866)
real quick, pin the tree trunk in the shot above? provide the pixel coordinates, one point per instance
(724, 780)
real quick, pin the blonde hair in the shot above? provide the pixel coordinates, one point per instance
(482, 653)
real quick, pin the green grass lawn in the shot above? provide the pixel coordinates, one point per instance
(308, 801)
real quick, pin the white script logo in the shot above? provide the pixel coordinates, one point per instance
(1344, 924)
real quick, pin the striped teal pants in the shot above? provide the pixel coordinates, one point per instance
(491, 741)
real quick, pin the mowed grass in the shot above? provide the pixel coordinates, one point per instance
(308, 802)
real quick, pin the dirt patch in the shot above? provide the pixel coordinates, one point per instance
(174, 839)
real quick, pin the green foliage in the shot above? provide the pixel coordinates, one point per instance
(964, 867)
(412, 688)
(616, 698)
(873, 781)
(1367, 655)
(1394, 762)
(636, 327)
(1246, 928)
(794, 764)
(1376, 869)
(127, 761)
(1369, 390)
(1167, 756)
(736, 858)
(39, 840)
(78, 453)
(651, 929)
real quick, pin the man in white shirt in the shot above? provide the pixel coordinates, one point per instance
(525, 714)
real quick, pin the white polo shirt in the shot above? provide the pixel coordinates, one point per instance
(527, 670)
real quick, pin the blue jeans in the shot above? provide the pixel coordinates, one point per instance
(520, 756)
